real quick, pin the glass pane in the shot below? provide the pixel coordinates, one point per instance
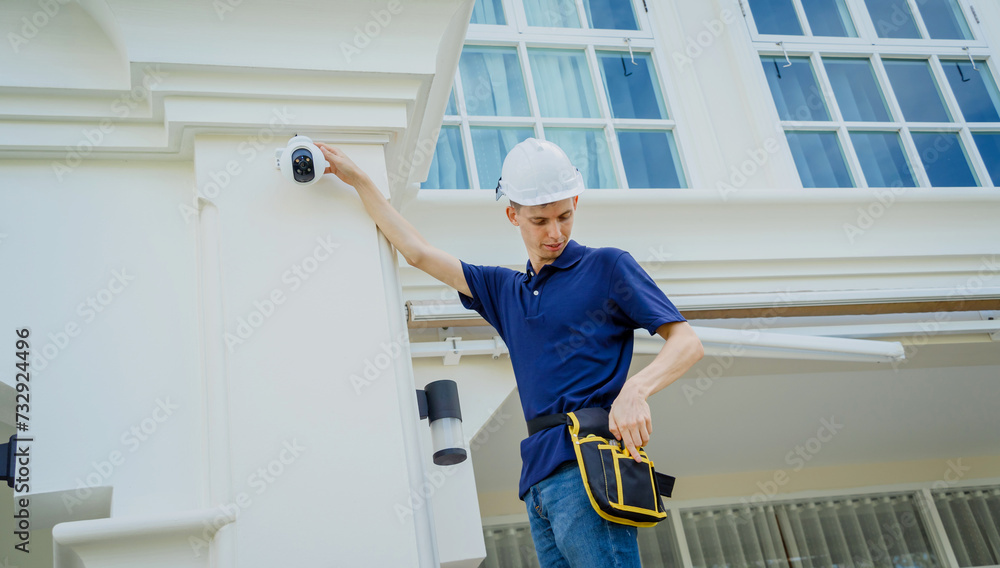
(882, 159)
(650, 158)
(492, 82)
(989, 148)
(944, 159)
(633, 90)
(448, 167)
(795, 90)
(587, 149)
(563, 84)
(552, 13)
(451, 108)
(828, 18)
(490, 146)
(488, 12)
(892, 18)
(775, 17)
(916, 90)
(610, 14)
(856, 89)
(819, 159)
(944, 19)
(975, 90)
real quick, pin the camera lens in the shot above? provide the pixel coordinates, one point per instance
(302, 166)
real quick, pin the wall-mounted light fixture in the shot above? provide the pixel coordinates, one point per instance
(438, 403)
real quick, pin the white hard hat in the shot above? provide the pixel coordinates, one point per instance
(536, 172)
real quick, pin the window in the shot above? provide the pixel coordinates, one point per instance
(581, 73)
(511, 546)
(900, 93)
(972, 520)
(878, 532)
(875, 530)
(810, 17)
(929, 19)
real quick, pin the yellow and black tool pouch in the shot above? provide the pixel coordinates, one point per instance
(620, 489)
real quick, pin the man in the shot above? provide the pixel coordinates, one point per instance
(568, 321)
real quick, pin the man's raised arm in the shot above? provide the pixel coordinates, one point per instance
(403, 235)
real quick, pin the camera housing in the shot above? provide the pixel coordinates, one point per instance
(301, 161)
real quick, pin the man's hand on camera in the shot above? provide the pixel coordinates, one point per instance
(342, 166)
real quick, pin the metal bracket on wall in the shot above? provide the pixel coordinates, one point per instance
(453, 356)
(991, 316)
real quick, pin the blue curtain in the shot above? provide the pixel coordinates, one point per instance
(587, 149)
(916, 90)
(552, 13)
(492, 82)
(488, 12)
(856, 88)
(883, 160)
(794, 88)
(819, 159)
(563, 83)
(448, 169)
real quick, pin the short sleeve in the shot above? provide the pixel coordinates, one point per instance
(485, 283)
(638, 296)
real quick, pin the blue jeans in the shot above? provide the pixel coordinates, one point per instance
(568, 533)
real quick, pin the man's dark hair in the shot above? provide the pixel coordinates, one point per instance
(515, 205)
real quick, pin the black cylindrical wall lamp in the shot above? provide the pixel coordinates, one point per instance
(438, 403)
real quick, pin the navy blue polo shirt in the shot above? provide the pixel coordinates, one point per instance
(569, 330)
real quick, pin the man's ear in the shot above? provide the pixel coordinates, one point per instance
(575, 199)
(512, 215)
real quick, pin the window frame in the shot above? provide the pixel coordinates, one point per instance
(865, 28)
(516, 33)
(869, 46)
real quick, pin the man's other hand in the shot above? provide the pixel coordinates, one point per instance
(630, 420)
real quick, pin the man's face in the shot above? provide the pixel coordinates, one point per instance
(545, 229)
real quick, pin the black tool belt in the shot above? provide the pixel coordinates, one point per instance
(620, 489)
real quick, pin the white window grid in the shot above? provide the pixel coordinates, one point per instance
(518, 34)
(869, 46)
(866, 30)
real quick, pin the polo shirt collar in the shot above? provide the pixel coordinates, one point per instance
(569, 257)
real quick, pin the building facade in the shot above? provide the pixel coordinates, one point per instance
(222, 364)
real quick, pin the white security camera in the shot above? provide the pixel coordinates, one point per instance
(301, 161)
